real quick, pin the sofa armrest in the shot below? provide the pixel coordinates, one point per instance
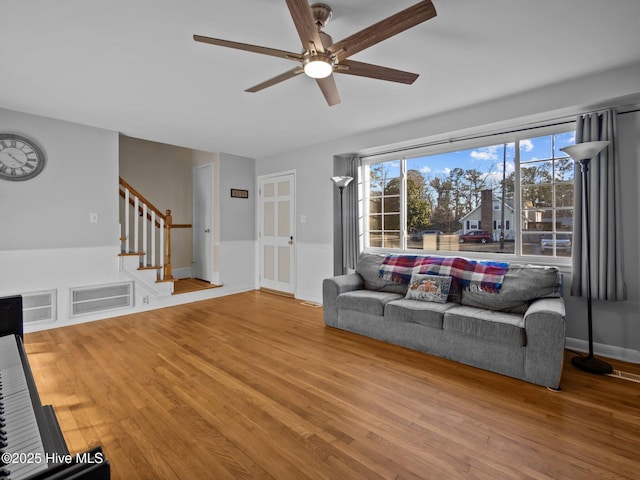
(544, 322)
(334, 286)
(550, 306)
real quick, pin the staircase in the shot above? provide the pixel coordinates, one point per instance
(145, 242)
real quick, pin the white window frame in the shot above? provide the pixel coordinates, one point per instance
(479, 141)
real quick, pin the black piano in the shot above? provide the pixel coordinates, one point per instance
(31, 443)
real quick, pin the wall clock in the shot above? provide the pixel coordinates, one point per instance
(20, 158)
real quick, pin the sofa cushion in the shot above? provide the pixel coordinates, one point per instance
(368, 267)
(366, 301)
(478, 322)
(521, 285)
(429, 314)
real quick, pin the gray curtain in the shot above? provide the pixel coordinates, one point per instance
(604, 219)
(351, 230)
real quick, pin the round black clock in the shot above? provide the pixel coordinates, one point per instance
(20, 158)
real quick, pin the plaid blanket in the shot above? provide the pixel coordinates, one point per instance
(473, 275)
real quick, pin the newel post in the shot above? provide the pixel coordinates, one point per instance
(168, 273)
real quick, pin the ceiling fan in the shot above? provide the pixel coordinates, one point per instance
(321, 57)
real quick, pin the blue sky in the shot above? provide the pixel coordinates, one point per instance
(491, 157)
(487, 159)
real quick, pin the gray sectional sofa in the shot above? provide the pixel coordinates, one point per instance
(518, 332)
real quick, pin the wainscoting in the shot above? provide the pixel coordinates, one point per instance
(314, 263)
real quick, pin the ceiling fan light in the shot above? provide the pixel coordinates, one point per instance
(318, 68)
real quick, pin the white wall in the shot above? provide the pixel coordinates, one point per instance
(616, 324)
(46, 239)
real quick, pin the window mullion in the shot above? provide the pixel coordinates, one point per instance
(366, 181)
(403, 203)
(554, 224)
(517, 201)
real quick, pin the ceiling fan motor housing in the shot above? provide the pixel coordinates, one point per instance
(321, 14)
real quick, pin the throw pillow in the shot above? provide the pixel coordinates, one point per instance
(522, 284)
(429, 288)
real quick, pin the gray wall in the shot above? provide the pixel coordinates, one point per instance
(237, 215)
(80, 177)
(615, 324)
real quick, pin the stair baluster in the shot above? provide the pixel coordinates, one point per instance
(139, 213)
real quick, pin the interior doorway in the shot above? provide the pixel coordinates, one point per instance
(277, 233)
(202, 222)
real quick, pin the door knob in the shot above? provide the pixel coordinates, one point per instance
(206, 230)
(291, 240)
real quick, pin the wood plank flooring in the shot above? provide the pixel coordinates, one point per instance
(254, 386)
(185, 285)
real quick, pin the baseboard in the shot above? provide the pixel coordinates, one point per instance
(309, 297)
(277, 292)
(608, 351)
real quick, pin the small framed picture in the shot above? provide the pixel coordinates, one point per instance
(237, 193)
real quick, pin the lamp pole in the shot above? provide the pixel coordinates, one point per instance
(504, 173)
(584, 170)
(341, 231)
(583, 153)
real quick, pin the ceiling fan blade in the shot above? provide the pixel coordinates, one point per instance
(306, 26)
(249, 48)
(329, 90)
(272, 81)
(404, 20)
(360, 69)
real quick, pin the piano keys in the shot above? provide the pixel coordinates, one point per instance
(31, 443)
(20, 441)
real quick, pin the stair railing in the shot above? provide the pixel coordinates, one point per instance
(144, 226)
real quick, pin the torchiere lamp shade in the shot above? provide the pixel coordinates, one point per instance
(586, 150)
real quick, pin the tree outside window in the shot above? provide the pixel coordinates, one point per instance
(436, 201)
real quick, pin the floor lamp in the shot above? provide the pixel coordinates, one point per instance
(583, 153)
(341, 182)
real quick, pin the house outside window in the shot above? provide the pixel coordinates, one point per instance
(513, 197)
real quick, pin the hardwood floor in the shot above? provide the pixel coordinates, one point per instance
(254, 386)
(185, 285)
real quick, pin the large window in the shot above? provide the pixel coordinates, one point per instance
(546, 195)
(514, 197)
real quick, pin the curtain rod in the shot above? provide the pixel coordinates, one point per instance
(463, 138)
(530, 126)
(628, 111)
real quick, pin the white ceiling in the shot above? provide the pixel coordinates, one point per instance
(133, 67)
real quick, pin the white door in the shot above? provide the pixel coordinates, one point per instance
(202, 221)
(277, 234)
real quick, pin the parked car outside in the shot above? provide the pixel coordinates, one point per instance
(475, 236)
(563, 241)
